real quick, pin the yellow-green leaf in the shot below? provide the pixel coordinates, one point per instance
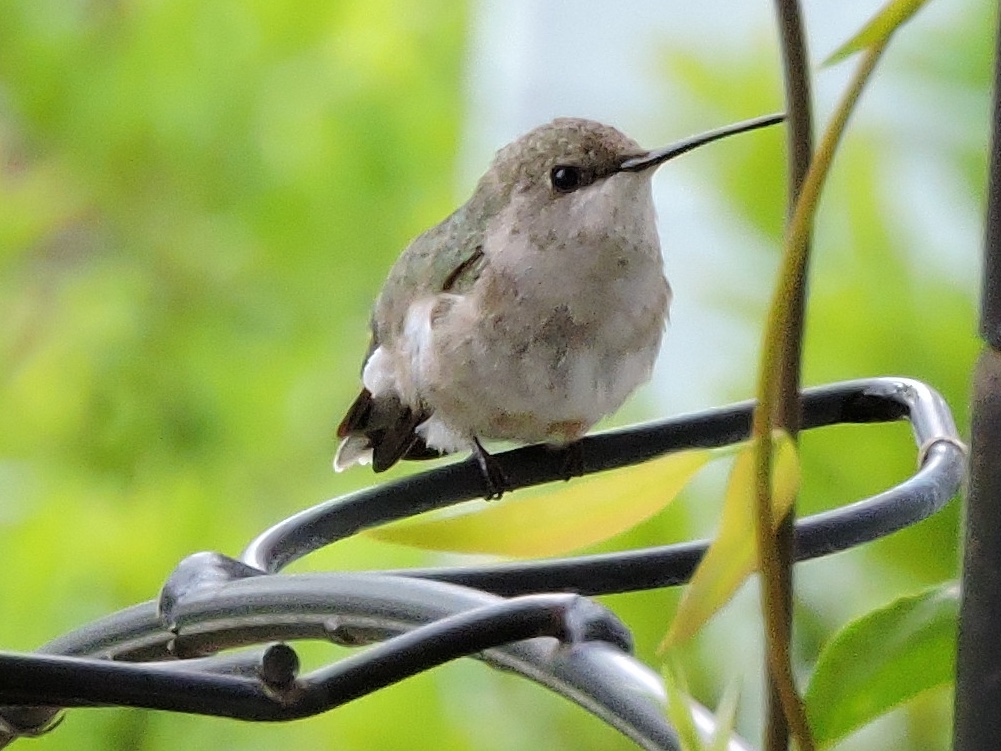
(580, 513)
(880, 27)
(679, 709)
(680, 712)
(732, 556)
(726, 718)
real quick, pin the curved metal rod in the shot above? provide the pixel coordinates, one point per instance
(203, 687)
(596, 674)
(862, 401)
(138, 634)
(667, 565)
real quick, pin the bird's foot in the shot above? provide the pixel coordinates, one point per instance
(573, 460)
(493, 475)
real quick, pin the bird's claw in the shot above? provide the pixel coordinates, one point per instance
(493, 476)
(573, 461)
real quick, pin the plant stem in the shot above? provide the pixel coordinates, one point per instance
(776, 350)
(799, 139)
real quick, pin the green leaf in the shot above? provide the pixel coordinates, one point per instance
(726, 718)
(893, 15)
(581, 513)
(679, 710)
(732, 556)
(881, 660)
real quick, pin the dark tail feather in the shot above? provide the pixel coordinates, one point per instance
(354, 421)
(387, 425)
(392, 443)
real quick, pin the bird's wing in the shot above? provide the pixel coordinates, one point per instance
(381, 428)
(446, 258)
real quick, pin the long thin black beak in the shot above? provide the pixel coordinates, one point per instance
(659, 156)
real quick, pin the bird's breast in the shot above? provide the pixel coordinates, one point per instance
(540, 367)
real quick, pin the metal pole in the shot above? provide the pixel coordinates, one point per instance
(978, 667)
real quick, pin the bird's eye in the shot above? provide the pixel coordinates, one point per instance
(565, 178)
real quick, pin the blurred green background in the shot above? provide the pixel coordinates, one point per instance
(198, 202)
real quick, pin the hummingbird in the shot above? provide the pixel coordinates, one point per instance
(531, 312)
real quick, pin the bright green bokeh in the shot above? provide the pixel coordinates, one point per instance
(198, 201)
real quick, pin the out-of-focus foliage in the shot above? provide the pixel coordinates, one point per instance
(198, 201)
(680, 714)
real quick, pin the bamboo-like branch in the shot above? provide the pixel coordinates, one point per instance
(799, 140)
(792, 277)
